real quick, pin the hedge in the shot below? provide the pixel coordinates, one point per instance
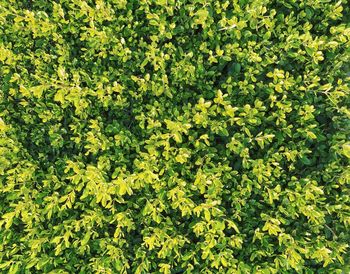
(163, 136)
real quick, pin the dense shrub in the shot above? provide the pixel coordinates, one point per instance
(163, 136)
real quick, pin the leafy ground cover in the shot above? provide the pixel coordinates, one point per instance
(163, 136)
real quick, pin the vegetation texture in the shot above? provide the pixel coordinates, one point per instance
(163, 136)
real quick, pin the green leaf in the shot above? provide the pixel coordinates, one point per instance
(346, 150)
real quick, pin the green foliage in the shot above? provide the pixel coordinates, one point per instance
(163, 136)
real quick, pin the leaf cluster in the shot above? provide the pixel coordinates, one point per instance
(163, 136)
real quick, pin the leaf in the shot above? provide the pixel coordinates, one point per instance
(177, 137)
(267, 35)
(61, 72)
(122, 187)
(14, 268)
(207, 215)
(231, 224)
(223, 261)
(305, 160)
(3, 126)
(311, 135)
(201, 16)
(37, 91)
(5, 264)
(346, 150)
(60, 96)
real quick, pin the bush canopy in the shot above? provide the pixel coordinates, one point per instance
(174, 136)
